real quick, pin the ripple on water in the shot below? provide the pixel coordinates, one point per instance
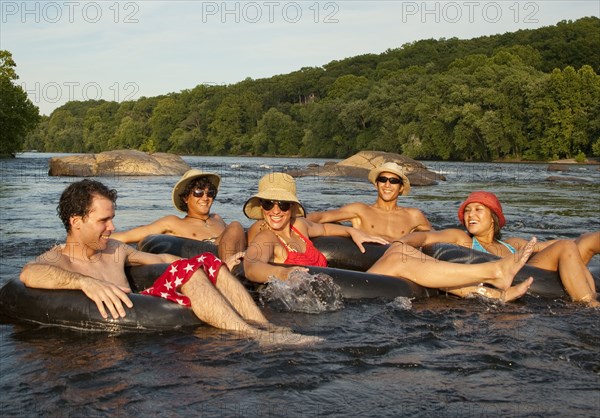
(434, 357)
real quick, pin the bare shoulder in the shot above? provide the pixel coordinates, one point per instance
(170, 220)
(414, 211)
(54, 256)
(358, 207)
(118, 251)
(255, 229)
(303, 224)
(263, 237)
(217, 218)
(362, 210)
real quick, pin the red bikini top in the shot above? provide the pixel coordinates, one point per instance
(310, 257)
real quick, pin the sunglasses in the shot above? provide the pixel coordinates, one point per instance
(384, 179)
(269, 204)
(199, 193)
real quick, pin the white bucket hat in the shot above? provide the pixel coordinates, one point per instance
(390, 168)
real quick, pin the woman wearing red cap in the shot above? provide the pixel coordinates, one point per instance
(482, 216)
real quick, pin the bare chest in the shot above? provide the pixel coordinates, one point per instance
(109, 267)
(199, 229)
(388, 224)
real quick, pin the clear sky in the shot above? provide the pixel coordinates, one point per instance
(118, 50)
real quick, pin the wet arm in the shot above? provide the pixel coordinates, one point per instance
(48, 276)
(345, 213)
(328, 230)
(135, 257)
(420, 222)
(104, 294)
(134, 235)
(420, 239)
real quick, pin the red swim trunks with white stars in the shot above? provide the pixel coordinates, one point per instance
(179, 272)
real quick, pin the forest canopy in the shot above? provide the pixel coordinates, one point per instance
(18, 116)
(530, 94)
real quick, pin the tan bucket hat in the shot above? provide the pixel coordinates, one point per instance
(188, 177)
(390, 168)
(274, 186)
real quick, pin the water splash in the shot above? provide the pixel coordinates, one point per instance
(401, 304)
(303, 292)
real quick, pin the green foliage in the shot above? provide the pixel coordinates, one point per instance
(18, 116)
(596, 148)
(529, 94)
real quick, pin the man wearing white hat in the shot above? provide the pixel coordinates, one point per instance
(194, 195)
(384, 218)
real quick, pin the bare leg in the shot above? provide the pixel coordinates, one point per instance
(211, 307)
(406, 261)
(512, 293)
(588, 245)
(231, 243)
(563, 256)
(237, 295)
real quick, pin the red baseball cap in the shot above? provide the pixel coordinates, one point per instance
(487, 199)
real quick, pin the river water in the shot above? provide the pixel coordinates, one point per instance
(434, 357)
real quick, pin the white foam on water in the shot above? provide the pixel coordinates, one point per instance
(303, 292)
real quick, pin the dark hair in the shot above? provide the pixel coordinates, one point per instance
(76, 199)
(198, 183)
(497, 228)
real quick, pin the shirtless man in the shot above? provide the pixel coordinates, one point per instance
(384, 218)
(94, 263)
(194, 195)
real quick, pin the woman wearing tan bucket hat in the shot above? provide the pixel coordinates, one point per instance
(194, 194)
(282, 234)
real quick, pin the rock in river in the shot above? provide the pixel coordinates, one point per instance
(118, 163)
(359, 165)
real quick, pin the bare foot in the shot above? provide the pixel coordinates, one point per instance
(589, 301)
(509, 266)
(270, 339)
(594, 304)
(269, 327)
(512, 293)
(516, 291)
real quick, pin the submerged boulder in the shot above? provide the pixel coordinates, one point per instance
(359, 165)
(118, 163)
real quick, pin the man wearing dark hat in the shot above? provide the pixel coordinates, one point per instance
(194, 195)
(384, 218)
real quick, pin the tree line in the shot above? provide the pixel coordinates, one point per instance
(18, 116)
(530, 94)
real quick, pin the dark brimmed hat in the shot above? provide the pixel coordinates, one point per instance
(274, 186)
(186, 179)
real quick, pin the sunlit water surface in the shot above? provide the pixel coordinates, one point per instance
(434, 357)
